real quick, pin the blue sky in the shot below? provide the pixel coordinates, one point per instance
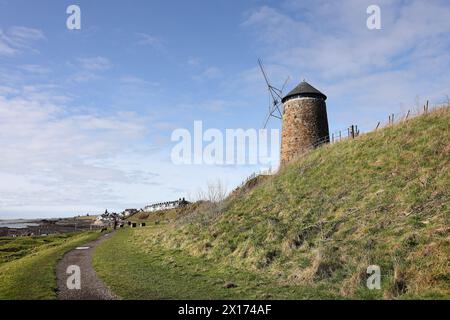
(86, 115)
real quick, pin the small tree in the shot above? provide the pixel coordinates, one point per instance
(216, 192)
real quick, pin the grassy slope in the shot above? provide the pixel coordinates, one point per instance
(164, 215)
(321, 221)
(15, 248)
(140, 270)
(29, 273)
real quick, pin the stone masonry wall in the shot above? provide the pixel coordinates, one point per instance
(305, 122)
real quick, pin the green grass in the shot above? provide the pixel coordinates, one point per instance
(15, 248)
(165, 216)
(142, 271)
(380, 199)
(27, 267)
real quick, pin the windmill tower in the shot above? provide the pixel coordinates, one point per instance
(304, 117)
(305, 121)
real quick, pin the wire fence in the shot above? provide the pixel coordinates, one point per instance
(352, 132)
(254, 175)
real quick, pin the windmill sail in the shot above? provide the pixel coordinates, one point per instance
(275, 96)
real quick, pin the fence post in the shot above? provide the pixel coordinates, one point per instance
(352, 131)
(407, 115)
(378, 125)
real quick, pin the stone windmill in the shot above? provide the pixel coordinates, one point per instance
(304, 118)
(305, 121)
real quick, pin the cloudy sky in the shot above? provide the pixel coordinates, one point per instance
(86, 115)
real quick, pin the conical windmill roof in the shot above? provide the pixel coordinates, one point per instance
(304, 89)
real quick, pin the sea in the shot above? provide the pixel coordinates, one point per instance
(18, 224)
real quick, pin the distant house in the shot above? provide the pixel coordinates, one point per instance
(101, 222)
(106, 218)
(129, 212)
(166, 205)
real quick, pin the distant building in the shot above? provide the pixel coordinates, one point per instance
(106, 219)
(129, 212)
(166, 205)
(101, 222)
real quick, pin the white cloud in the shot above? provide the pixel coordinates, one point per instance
(53, 157)
(94, 63)
(365, 73)
(23, 35)
(89, 68)
(5, 48)
(336, 42)
(16, 39)
(145, 39)
(55, 162)
(5, 90)
(84, 76)
(194, 62)
(136, 81)
(34, 69)
(210, 73)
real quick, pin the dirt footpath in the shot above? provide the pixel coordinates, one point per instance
(92, 288)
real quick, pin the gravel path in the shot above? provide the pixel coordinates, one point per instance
(92, 288)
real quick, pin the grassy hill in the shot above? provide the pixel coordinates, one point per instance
(381, 199)
(27, 264)
(165, 215)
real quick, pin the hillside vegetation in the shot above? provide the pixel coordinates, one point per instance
(27, 264)
(13, 248)
(166, 215)
(380, 199)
